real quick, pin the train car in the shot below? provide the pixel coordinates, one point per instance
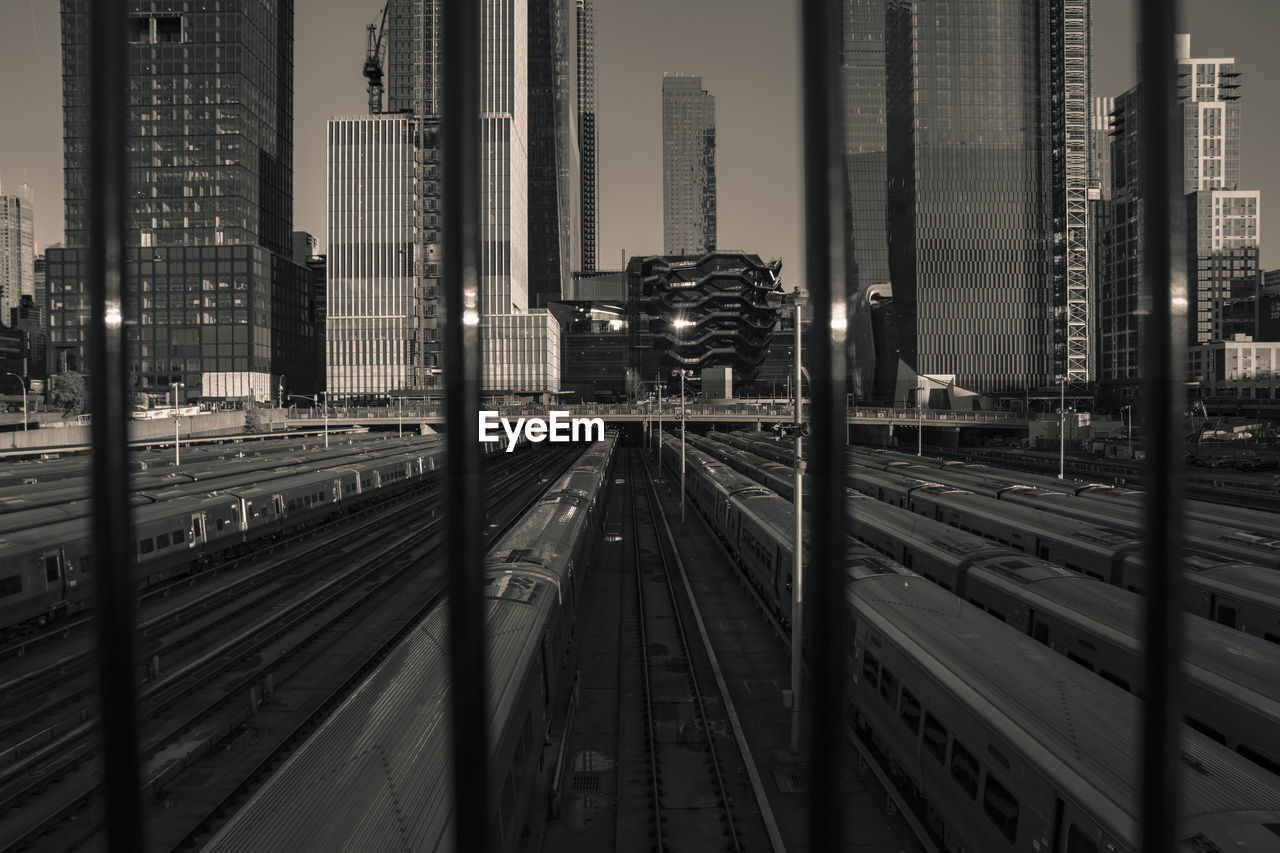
(1233, 680)
(47, 569)
(1100, 498)
(966, 711)
(371, 776)
(1015, 751)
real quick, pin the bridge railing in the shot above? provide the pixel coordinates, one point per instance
(694, 410)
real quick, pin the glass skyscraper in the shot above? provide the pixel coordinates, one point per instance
(588, 144)
(372, 306)
(213, 299)
(985, 227)
(17, 250)
(1222, 220)
(688, 167)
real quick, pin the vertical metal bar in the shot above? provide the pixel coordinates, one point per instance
(112, 526)
(460, 202)
(1163, 306)
(826, 233)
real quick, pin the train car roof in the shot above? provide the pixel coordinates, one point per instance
(1057, 712)
(375, 776)
(544, 536)
(1217, 652)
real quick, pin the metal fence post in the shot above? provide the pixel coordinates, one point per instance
(826, 233)
(460, 206)
(108, 197)
(1163, 306)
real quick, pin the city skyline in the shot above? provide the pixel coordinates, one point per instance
(759, 206)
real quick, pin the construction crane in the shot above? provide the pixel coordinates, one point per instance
(373, 60)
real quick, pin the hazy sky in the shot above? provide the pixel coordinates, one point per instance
(745, 50)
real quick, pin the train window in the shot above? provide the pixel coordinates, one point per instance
(871, 669)
(1078, 842)
(909, 710)
(86, 564)
(146, 546)
(1259, 759)
(998, 756)
(964, 769)
(935, 737)
(222, 522)
(888, 684)
(1084, 663)
(179, 537)
(1206, 730)
(52, 568)
(1114, 679)
(162, 540)
(1001, 807)
(11, 585)
(1226, 616)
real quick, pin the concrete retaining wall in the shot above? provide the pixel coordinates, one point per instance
(202, 426)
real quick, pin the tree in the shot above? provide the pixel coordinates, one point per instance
(254, 421)
(66, 391)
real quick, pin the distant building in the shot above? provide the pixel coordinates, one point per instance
(594, 350)
(599, 286)
(1222, 219)
(17, 248)
(555, 198)
(988, 177)
(688, 167)
(520, 353)
(216, 302)
(27, 319)
(1240, 369)
(1268, 317)
(696, 312)
(306, 254)
(588, 141)
(374, 306)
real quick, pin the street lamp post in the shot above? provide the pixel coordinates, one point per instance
(22, 383)
(919, 424)
(177, 441)
(1129, 409)
(659, 435)
(683, 374)
(797, 569)
(1062, 429)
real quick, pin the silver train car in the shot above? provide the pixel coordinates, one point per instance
(1242, 596)
(46, 571)
(376, 774)
(1003, 748)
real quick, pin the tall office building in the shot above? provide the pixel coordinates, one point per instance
(555, 217)
(514, 142)
(413, 75)
(215, 302)
(987, 131)
(863, 90)
(372, 303)
(688, 167)
(863, 83)
(588, 143)
(17, 249)
(1222, 221)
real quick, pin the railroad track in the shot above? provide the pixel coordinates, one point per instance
(191, 710)
(63, 629)
(691, 804)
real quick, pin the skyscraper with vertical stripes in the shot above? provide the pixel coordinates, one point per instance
(688, 166)
(987, 136)
(588, 143)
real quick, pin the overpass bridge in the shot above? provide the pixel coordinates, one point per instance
(734, 415)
